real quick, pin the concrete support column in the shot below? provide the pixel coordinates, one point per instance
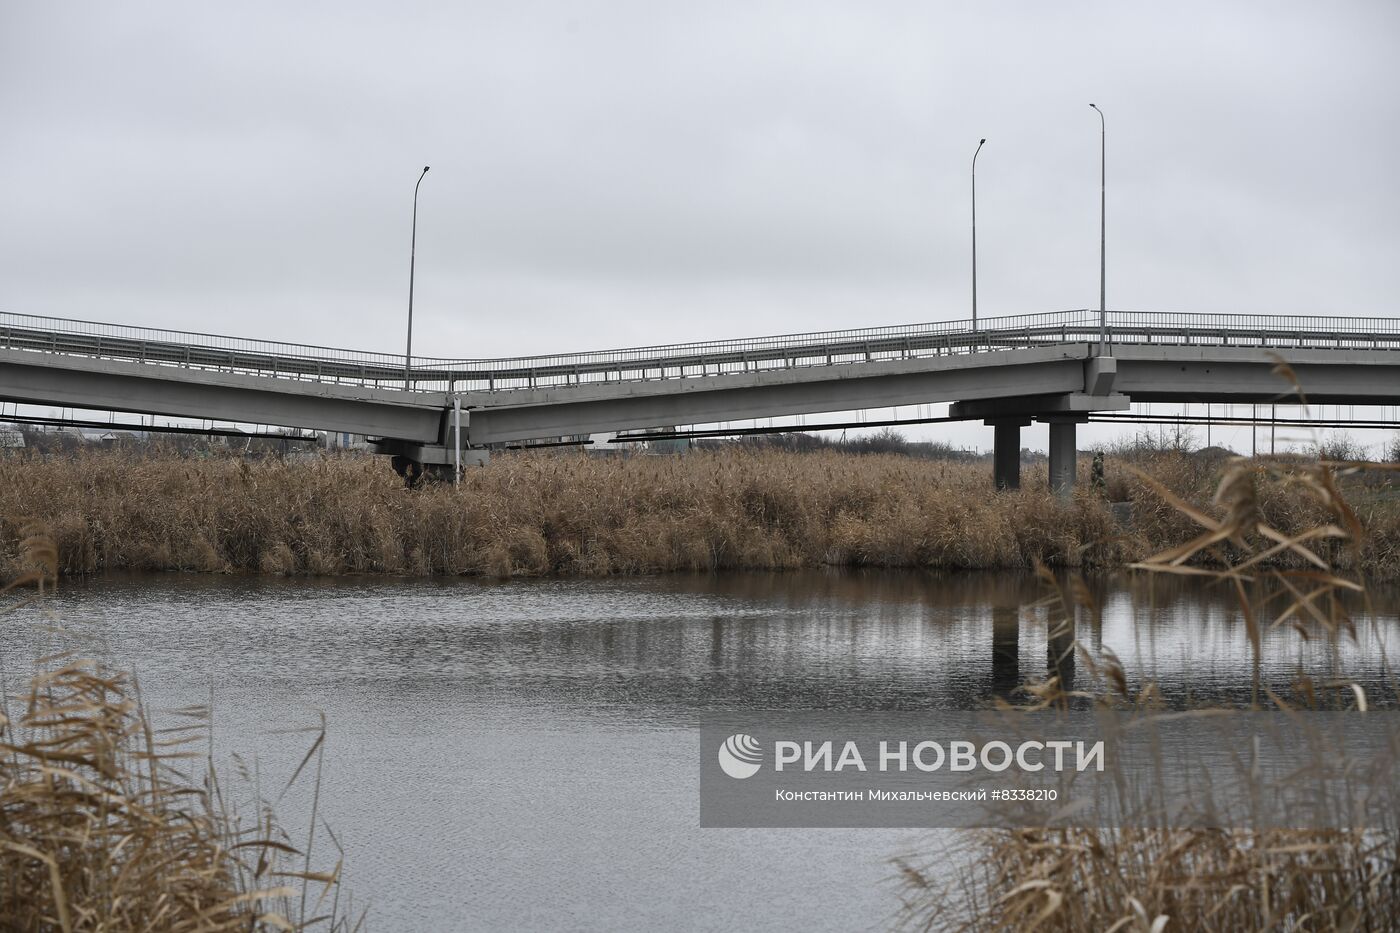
(1063, 449)
(1006, 451)
(1063, 455)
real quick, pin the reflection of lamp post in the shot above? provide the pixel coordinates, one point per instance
(1103, 231)
(974, 234)
(412, 256)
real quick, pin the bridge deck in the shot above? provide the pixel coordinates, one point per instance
(364, 368)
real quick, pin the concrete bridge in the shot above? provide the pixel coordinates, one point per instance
(1007, 372)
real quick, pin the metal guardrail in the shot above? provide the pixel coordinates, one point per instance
(194, 349)
(828, 348)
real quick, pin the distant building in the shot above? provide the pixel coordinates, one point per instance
(677, 445)
(106, 438)
(343, 440)
(599, 445)
(603, 443)
(11, 436)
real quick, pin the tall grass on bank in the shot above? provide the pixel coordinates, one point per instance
(538, 514)
(103, 828)
(571, 514)
(1151, 880)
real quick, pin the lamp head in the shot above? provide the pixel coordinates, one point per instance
(425, 170)
(981, 142)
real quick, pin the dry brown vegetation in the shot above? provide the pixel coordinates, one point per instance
(571, 514)
(103, 826)
(1151, 880)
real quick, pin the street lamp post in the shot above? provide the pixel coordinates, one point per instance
(412, 258)
(1103, 231)
(980, 144)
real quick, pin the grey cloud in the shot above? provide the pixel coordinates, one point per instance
(637, 172)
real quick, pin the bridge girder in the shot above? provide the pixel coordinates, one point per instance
(522, 414)
(143, 388)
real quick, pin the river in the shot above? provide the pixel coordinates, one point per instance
(522, 755)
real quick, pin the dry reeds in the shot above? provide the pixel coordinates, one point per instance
(530, 514)
(102, 830)
(1150, 880)
(539, 514)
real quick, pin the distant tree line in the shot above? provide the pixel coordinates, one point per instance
(883, 441)
(47, 441)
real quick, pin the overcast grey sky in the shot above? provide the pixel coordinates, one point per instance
(638, 172)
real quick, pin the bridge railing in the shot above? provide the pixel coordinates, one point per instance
(718, 357)
(706, 358)
(326, 364)
(918, 340)
(1276, 331)
(194, 349)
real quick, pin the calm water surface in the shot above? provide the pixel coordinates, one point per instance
(522, 755)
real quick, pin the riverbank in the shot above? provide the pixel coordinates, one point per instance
(571, 514)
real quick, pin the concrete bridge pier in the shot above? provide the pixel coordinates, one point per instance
(1006, 451)
(1064, 452)
(1007, 416)
(416, 462)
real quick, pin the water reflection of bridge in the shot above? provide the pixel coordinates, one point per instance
(901, 640)
(662, 648)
